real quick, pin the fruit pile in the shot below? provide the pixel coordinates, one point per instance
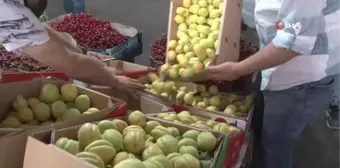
(53, 105)
(11, 61)
(198, 24)
(158, 49)
(247, 48)
(90, 32)
(211, 99)
(185, 117)
(166, 89)
(142, 144)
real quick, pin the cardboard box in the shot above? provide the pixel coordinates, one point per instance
(144, 103)
(123, 66)
(98, 55)
(106, 104)
(230, 29)
(191, 87)
(36, 149)
(207, 116)
(229, 33)
(169, 101)
(53, 156)
(13, 141)
(13, 148)
(232, 144)
(5, 132)
(243, 121)
(112, 92)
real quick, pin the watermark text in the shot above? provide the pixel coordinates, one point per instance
(280, 25)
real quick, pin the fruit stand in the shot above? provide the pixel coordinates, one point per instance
(124, 142)
(176, 123)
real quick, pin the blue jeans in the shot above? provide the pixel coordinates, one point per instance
(286, 113)
(335, 97)
(74, 6)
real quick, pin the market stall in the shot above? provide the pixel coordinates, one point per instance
(177, 122)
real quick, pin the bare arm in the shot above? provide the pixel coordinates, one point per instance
(75, 65)
(298, 37)
(268, 57)
(21, 30)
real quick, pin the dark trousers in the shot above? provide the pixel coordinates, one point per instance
(257, 120)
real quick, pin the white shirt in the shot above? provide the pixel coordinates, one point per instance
(311, 29)
(19, 27)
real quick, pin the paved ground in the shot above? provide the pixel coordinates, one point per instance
(318, 147)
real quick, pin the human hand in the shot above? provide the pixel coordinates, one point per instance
(129, 85)
(63, 38)
(225, 71)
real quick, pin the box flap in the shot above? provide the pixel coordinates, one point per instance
(52, 157)
(111, 92)
(122, 66)
(150, 106)
(5, 132)
(12, 150)
(13, 147)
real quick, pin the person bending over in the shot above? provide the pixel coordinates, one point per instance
(21, 31)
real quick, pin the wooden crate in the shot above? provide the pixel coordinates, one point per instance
(230, 30)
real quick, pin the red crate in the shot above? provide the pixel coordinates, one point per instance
(120, 111)
(233, 150)
(136, 74)
(8, 77)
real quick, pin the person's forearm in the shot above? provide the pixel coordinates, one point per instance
(267, 57)
(73, 64)
(94, 72)
(57, 37)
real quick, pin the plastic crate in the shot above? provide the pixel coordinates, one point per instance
(233, 150)
(119, 111)
(8, 77)
(136, 74)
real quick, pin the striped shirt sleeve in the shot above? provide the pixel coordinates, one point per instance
(301, 22)
(19, 27)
